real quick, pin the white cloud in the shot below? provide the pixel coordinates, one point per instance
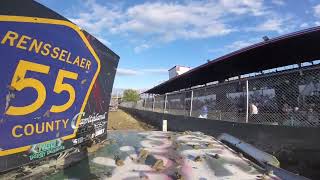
(149, 23)
(127, 72)
(270, 25)
(239, 7)
(316, 10)
(278, 2)
(236, 45)
(189, 20)
(161, 71)
(167, 21)
(274, 23)
(170, 21)
(141, 48)
(304, 25)
(132, 72)
(95, 18)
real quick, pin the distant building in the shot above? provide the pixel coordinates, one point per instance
(177, 70)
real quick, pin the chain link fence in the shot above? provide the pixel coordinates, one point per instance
(176, 104)
(148, 103)
(289, 97)
(224, 101)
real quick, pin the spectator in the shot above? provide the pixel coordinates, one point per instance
(312, 117)
(253, 109)
(204, 112)
(294, 118)
(286, 109)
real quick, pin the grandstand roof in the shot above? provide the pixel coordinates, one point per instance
(297, 47)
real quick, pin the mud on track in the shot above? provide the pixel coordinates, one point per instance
(120, 120)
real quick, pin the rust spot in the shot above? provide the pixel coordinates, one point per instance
(198, 159)
(177, 176)
(143, 155)
(176, 146)
(118, 161)
(158, 165)
(261, 177)
(144, 177)
(186, 132)
(108, 174)
(194, 146)
(217, 156)
(209, 145)
(18, 79)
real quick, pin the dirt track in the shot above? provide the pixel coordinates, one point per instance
(120, 120)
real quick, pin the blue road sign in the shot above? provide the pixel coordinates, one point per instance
(48, 69)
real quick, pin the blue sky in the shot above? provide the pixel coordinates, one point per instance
(153, 36)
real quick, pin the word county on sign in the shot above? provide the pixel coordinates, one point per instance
(47, 73)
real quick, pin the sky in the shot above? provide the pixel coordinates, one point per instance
(152, 36)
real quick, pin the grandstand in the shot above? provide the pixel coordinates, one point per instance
(279, 78)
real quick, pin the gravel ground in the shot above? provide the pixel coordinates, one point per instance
(120, 120)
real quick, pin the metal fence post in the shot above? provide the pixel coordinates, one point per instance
(146, 102)
(154, 100)
(247, 101)
(191, 99)
(165, 103)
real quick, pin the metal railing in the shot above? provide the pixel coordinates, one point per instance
(289, 97)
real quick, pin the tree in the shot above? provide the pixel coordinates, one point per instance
(130, 95)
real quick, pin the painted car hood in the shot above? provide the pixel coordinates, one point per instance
(164, 155)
